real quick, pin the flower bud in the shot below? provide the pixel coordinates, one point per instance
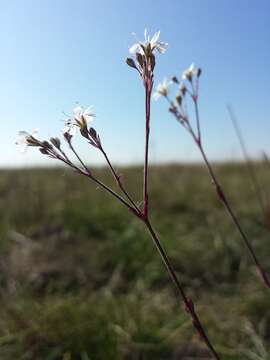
(93, 133)
(47, 145)
(148, 50)
(67, 136)
(43, 151)
(131, 63)
(152, 61)
(94, 138)
(84, 132)
(173, 109)
(56, 142)
(31, 141)
(183, 89)
(179, 99)
(140, 59)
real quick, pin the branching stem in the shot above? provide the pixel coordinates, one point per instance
(197, 139)
(118, 179)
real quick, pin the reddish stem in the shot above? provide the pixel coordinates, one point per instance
(88, 174)
(223, 198)
(197, 119)
(118, 180)
(230, 211)
(148, 90)
(189, 305)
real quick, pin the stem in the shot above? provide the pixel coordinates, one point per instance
(118, 179)
(197, 120)
(226, 204)
(148, 90)
(219, 190)
(78, 157)
(230, 211)
(189, 306)
(105, 187)
(113, 193)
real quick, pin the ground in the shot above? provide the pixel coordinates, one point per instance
(81, 279)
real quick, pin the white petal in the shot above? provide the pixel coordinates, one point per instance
(23, 134)
(23, 148)
(21, 141)
(69, 129)
(35, 131)
(155, 37)
(89, 110)
(145, 34)
(88, 117)
(161, 47)
(77, 111)
(65, 129)
(88, 114)
(156, 96)
(72, 130)
(191, 68)
(133, 49)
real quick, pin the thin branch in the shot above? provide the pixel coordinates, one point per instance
(223, 198)
(85, 171)
(197, 120)
(118, 179)
(230, 211)
(78, 157)
(219, 190)
(113, 193)
(189, 305)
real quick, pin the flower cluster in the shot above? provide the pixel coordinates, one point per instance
(189, 89)
(52, 148)
(144, 54)
(26, 139)
(190, 73)
(80, 120)
(162, 89)
(189, 85)
(148, 46)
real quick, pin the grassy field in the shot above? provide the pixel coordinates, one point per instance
(81, 280)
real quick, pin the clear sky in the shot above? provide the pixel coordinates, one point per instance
(57, 53)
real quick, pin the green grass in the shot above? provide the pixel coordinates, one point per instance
(81, 279)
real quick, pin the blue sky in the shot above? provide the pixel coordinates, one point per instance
(57, 53)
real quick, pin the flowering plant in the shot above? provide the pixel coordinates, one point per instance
(143, 60)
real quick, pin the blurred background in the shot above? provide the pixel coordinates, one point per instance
(79, 276)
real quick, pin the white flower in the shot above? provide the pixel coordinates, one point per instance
(189, 73)
(26, 139)
(151, 44)
(69, 128)
(162, 89)
(82, 117)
